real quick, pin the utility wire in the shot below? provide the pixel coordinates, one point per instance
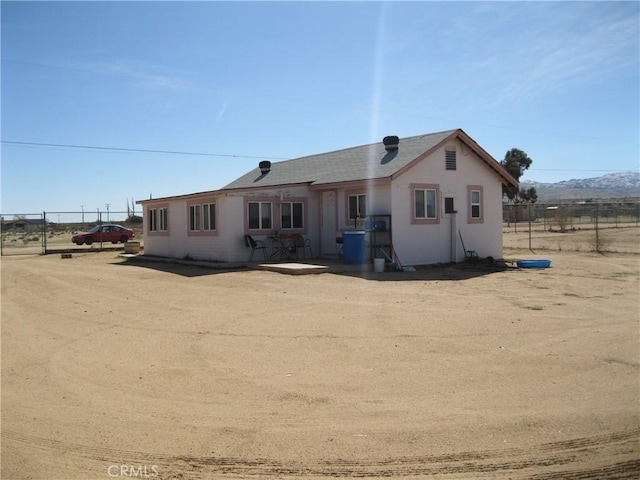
(204, 154)
(578, 170)
(139, 150)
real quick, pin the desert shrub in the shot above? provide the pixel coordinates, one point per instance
(133, 220)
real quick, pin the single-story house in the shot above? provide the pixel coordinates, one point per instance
(23, 224)
(419, 198)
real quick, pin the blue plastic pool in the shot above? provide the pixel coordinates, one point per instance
(533, 263)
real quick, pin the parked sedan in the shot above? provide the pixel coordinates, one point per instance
(104, 233)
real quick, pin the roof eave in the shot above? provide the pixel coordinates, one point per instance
(210, 193)
(349, 183)
(263, 187)
(507, 179)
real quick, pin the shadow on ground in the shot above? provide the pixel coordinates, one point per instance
(185, 268)
(440, 272)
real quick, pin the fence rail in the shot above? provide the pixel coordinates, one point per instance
(52, 232)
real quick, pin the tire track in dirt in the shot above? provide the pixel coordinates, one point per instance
(607, 456)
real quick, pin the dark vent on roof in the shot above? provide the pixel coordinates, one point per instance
(265, 167)
(391, 143)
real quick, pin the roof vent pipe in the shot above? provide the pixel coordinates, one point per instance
(391, 143)
(265, 167)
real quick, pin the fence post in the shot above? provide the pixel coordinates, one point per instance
(100, 223)
(44, 233)
(530, 227)
(596, 224)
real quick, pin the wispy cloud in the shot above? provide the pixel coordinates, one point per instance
(223, 109)
(502, 53)
(561, 52)
(142, 75)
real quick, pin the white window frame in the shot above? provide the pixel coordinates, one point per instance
(209, 217)
(158, 220)
(164, 219)
(292, 216)
(425, 219)
(361, 205)
(478, 204)
(201, 213)
(261, 210)
(195, 213)
(153, 220)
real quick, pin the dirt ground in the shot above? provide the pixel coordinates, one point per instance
(151, 370)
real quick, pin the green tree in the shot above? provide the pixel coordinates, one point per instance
(516, 162)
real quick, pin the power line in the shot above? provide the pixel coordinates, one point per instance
(577, 170)
(138, 150)
(205, 154)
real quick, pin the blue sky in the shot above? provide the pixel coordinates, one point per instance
(246, 81)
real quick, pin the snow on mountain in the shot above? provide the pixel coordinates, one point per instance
(612, 185)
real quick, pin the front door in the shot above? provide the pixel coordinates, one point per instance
(328, 223)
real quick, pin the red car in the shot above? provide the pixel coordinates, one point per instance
(104, 233)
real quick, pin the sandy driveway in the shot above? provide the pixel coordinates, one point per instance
(111, 370)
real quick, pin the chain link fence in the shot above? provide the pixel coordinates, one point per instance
(52, 232)
(612, 226)
(22, 234)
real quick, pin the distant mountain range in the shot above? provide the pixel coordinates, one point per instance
(613, 185)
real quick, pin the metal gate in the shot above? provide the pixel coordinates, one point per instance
(22, 234)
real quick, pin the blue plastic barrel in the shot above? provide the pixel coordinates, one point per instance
(353, 247)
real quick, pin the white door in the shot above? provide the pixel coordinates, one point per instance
(329, 223)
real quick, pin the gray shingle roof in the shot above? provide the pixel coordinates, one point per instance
(357, 163)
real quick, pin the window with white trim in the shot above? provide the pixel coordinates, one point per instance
(164, 219)
(194, 218)
(475, 204)
(201, 217)
(158, 219)
(153, 219)
(260, 215)
(291, 215)
(426, 204)
(208, 216)
(357, 206)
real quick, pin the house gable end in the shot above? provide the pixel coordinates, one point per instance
(505, 178)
